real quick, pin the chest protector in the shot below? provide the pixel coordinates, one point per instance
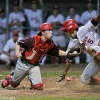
(35, 54)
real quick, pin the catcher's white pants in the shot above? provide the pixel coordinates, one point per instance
(91, 70)
(22, 70)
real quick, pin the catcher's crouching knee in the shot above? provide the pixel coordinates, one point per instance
(14, 85)
(37, 86)
(85, 80)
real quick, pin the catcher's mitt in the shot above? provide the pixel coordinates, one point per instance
(74, 52)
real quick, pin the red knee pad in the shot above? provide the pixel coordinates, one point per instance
(13, 84)
(37, 86)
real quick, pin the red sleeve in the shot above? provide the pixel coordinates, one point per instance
(54, 51)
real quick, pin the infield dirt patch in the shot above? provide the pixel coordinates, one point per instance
(52, 87)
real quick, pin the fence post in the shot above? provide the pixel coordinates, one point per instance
(98, 10)
(7, 12)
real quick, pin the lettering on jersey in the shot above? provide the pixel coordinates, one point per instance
(90, 41)
(35, 19)
(86, 39)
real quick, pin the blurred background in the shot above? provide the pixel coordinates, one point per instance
(15, 16)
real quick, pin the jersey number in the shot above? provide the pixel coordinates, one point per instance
(86, 39)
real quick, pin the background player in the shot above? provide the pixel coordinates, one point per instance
(16, 19)
(34, 16)
(56, 19)
(2, 29)
(9, 55)
(28, 63)
(85, 37)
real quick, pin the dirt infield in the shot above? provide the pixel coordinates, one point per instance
(52, 87)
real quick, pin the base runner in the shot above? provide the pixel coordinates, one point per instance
(89, 41)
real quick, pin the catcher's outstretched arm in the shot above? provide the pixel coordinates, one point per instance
(68, 65)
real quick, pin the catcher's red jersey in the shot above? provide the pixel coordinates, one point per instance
(40, 48)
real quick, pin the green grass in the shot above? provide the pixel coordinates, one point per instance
(61, 98)
(54, 74)
(54, 98)
(45, 74)
(4, 73)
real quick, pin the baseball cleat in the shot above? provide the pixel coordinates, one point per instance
(69, 78)
(5, 83)
(37, 86)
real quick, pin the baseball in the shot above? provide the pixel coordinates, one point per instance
(75, 52)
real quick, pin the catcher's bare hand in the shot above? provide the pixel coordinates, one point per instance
(62, 77)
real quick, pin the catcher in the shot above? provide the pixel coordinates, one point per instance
(35, 48)
(88, 41)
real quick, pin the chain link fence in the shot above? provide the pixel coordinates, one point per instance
(80, 5)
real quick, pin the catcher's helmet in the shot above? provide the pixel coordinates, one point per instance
(69, 25)
(45, 26)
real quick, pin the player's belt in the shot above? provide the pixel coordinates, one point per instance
(27, 62)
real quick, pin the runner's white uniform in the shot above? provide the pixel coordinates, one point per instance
(85, 17)
(86, 35)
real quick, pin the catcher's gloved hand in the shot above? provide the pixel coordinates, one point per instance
(74, 52)
(62, 77)
(77, 48)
